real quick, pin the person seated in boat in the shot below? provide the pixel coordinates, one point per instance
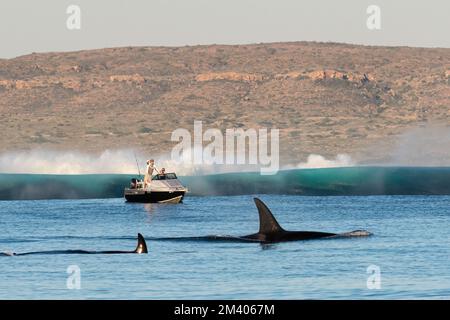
(162, 174)
(149, 172)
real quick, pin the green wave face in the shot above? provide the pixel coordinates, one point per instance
(329, 181)
(37, 186)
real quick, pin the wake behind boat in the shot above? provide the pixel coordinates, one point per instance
(163, 188)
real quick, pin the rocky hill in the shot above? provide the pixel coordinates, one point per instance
(325, 98)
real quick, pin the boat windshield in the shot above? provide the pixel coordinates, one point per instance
(167, 176)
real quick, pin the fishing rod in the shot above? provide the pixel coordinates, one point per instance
(137, 164)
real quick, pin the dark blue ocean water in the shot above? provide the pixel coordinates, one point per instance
(410, 245)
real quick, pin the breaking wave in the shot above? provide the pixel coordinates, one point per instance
(324, 181)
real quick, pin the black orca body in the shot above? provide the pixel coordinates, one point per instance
(271, 232)
(140, 248)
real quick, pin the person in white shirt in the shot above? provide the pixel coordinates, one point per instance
(149, 172)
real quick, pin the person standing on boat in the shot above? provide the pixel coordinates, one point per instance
(149, 172)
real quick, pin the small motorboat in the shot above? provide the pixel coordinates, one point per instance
(164, 188)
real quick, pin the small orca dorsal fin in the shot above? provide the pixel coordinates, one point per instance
(141, 245)
(267, 222)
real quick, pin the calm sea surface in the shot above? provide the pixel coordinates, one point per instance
(410, 246)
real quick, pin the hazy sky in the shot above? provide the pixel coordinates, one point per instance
(36, 26)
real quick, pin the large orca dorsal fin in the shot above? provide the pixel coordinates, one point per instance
(267, 222)
(141, 245)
